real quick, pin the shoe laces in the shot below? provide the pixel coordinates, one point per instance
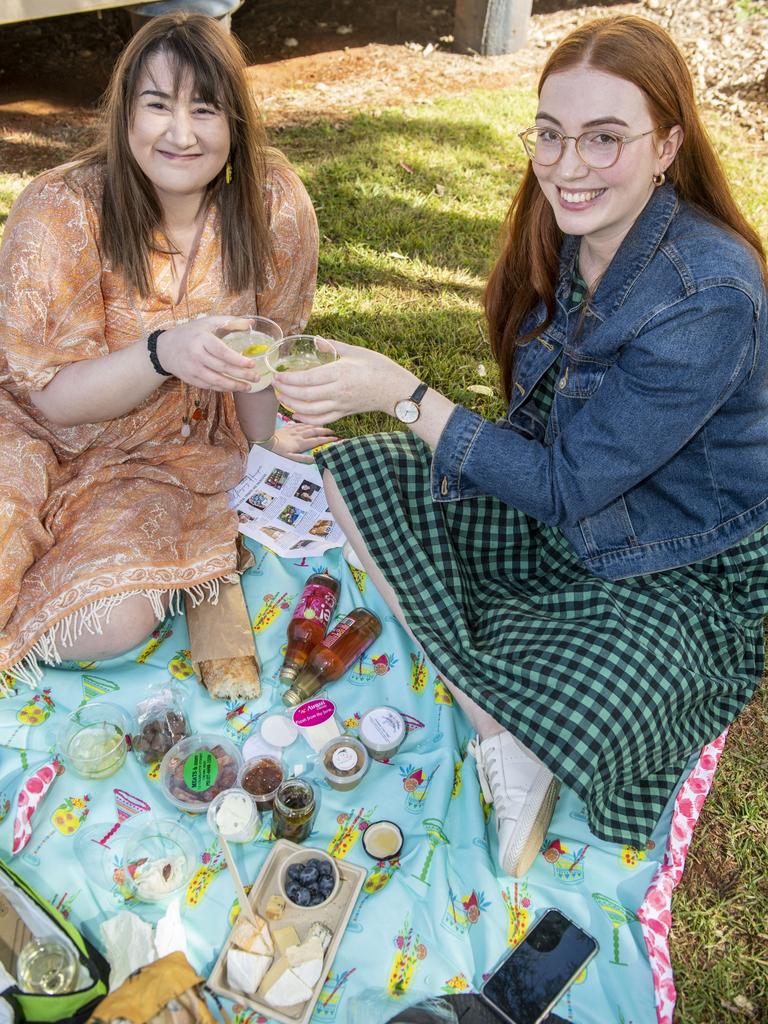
(487, 770)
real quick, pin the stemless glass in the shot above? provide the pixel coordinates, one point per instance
(300, 352)
(255, 343)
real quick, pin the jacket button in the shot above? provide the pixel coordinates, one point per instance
(444, 485)
(563, 382)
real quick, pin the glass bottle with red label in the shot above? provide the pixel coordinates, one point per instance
(309, 623)
(346, 642)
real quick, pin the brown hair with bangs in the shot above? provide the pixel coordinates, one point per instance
(131, 215)
(525, 274)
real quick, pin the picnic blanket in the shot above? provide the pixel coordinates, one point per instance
(436, 920)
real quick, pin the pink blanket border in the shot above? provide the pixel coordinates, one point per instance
(655, 913)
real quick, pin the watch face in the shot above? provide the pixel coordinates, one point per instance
(407, 411)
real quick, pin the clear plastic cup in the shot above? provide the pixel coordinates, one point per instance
(91, 740)
(300, 352)
(159, 860)
(255, 344)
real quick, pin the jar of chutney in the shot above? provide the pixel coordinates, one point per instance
(293, 811)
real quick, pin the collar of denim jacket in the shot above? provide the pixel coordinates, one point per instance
(632, 257)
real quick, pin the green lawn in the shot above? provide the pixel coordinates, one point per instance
(409, 204)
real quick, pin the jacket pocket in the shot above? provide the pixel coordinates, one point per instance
(608, 529)
(579, 378)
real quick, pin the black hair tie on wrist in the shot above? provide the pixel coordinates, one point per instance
(152, 349)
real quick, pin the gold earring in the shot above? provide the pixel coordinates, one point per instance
(228, 173)
(659, 179)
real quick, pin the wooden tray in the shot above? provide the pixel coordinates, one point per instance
(334, 914)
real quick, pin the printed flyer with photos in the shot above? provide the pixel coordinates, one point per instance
(281, 504)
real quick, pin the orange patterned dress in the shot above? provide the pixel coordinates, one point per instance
(92, 513)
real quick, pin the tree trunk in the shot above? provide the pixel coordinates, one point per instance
(490, 27)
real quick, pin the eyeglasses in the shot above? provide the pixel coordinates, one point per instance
(597, 149)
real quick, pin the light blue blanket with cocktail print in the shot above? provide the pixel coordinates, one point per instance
(432, 922)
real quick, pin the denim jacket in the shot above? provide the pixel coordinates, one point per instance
(655, 451)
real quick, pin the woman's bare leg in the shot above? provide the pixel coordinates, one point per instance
(130, 622)
(483, 723)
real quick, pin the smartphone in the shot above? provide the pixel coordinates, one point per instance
(530, 980)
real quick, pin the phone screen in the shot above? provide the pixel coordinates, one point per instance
(536, 972)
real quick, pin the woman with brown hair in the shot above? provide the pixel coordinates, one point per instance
(125, 417)
(591, 572)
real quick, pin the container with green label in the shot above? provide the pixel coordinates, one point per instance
(197, 769)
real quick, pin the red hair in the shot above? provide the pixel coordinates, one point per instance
(640, 52)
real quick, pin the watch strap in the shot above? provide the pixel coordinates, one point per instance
(419, 393)
(152, 349)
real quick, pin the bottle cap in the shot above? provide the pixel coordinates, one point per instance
(288, 673)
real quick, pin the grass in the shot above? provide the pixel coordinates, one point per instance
(409, 204)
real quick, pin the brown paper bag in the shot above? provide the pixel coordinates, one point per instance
(164, 992)
(223, 651)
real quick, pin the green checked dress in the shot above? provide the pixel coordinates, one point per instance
(612, 684)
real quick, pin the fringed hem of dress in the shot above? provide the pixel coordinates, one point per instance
(93, 617)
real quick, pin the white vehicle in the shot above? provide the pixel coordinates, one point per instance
(26, 10)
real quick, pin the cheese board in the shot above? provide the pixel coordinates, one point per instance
(278, 966)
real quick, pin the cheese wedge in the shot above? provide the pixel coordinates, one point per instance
(253, 939)
(282, 988)
(319, 930)
(246, 970)
(285, 937)
(309, 972)
(311, 949)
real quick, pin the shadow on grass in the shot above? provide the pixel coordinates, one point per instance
(376, 193)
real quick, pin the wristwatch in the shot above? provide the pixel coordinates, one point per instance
(408, 410)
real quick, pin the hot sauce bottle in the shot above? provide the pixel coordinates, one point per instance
(309, 622)
(348, 639)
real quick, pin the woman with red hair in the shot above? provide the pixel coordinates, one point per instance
(590, 572)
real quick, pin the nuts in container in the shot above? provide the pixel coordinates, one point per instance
(197, 769)
(160, 724)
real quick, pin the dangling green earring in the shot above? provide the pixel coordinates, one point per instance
(228, 173)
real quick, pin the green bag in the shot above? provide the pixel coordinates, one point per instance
(24, 913)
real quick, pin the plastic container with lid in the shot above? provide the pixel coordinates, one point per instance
(382, 730)
(197, 769)
(317, 722)
(344, 762)
(234, 815)
(261, 776)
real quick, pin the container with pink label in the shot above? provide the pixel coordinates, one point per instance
(316, 721)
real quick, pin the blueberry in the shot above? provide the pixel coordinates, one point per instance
(325, 870)
(294, 872)
(291, 890)
(309, 875)
(302, 897)
(315, 862)
(317, 898)
(325, 885)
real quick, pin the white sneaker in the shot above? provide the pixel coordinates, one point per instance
(523, 793)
